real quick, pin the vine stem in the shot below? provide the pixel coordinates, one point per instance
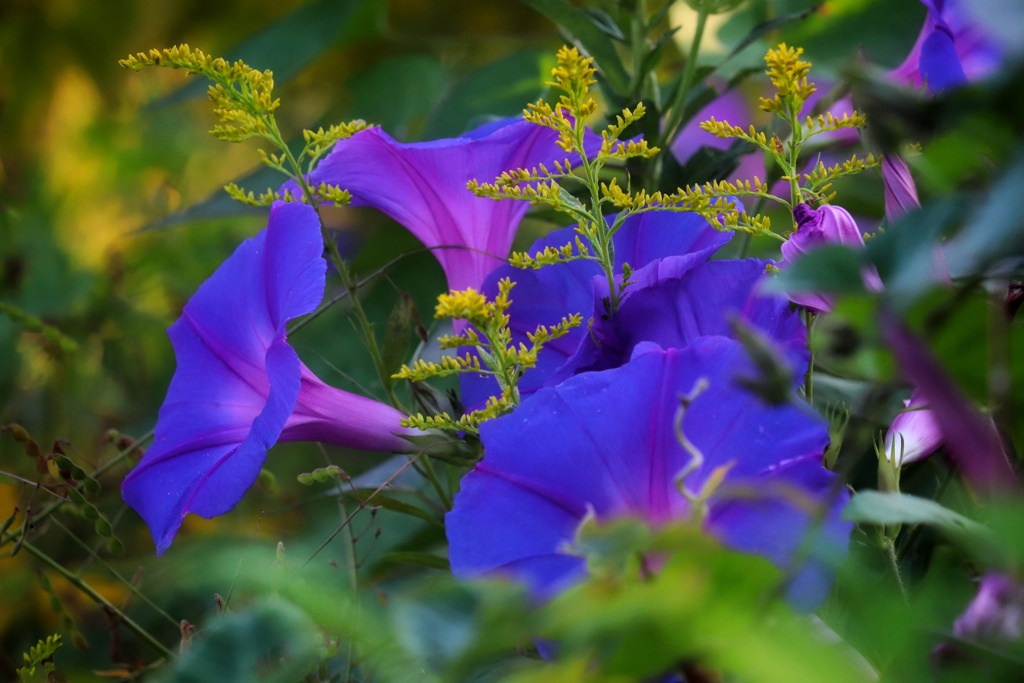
(347, 280)
(351, 566)
(809, 317)
(81, 584)
(604, 247)
(890, 551)
(94, 555)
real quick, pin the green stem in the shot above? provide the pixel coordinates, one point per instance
(796, 144)
(80, 583)
(638, 44)
(352, 568)
(678, 108)
(117, 575)
(890, 551)
(431, 475)
(809, 317)
(603, 246)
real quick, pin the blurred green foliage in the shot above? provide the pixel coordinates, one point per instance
(111, 215)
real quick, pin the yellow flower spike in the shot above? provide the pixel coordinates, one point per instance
(787, 72)
(495, 356)
(467, 304)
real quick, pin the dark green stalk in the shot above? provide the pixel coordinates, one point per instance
(678, 109)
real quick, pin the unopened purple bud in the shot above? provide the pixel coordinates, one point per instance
(817, 228)
(914, 434)
(900, 190)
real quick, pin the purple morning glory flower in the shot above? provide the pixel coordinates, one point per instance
(914, 434)
(604, 442)
(817, 227)
(950, 51)
(240, 387)
(686, 302)
(648, 242)
(422, 185)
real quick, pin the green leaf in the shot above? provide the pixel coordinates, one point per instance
(906, 253)
(832, 37)
(704, 605)
(769, 26)
(591, 37)
(439, 626)
(501, 88)
(875, 507)
(890, 509)
(833, 269)
(420, 79)
(605, 22)
(994, 232)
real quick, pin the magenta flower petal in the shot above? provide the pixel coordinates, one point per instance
(238, 381)
(914, 434)
(422, 185)
(970, 438)
(605, 442)
(816, 228)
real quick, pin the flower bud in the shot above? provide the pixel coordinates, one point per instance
(900, 190)
(914, 434)
(816, 228)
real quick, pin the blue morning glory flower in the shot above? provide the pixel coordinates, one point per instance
(604, 443)
(650, 243)
(685, 302)
(240, 387)
(950, 51)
